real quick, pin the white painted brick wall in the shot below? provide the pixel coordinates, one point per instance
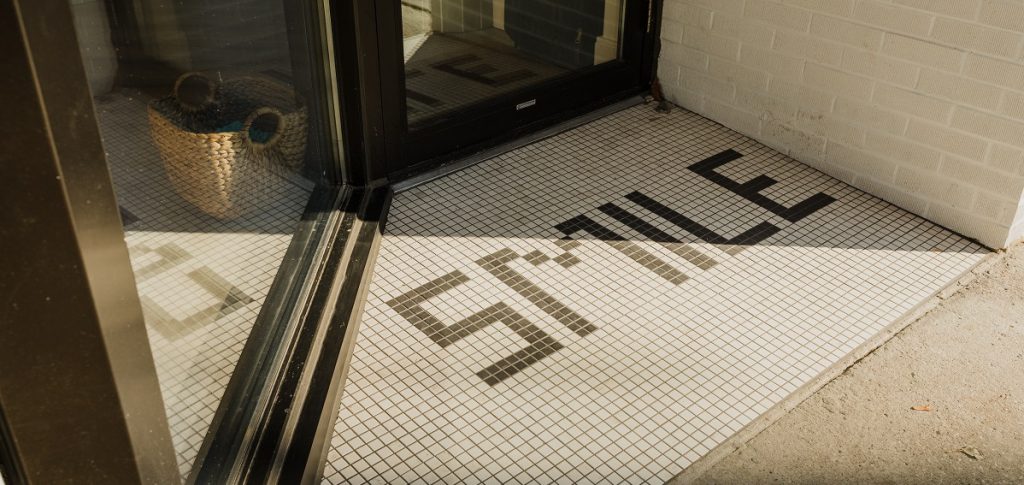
(920, 102)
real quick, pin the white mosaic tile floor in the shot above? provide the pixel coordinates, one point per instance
(201, 280)
(491, 350)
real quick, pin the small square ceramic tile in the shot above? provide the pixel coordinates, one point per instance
(710, 277)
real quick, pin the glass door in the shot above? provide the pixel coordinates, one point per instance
(217, 125)
(474, 71)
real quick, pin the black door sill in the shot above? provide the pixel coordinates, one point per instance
(279, 408)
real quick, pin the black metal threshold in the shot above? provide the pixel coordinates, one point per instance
(240, 420)
(301, 459)
(280, 405)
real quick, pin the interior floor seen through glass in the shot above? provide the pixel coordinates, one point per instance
(458, 53)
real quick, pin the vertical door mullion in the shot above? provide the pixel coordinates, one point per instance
(358, 69)
(392, 81)
(78, 386)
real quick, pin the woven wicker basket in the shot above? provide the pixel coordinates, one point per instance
(217, 164)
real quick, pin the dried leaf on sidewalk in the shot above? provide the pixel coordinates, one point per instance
(923, 408)
(971, 452)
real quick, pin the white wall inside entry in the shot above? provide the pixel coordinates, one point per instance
(920, 102)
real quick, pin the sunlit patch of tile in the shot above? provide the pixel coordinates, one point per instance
(625, 296)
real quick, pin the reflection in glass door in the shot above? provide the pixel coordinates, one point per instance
(211, 114)
(459, 76)
(461, 52)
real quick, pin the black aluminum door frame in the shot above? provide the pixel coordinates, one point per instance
(76, 358)
(409, 153)
(79, 396)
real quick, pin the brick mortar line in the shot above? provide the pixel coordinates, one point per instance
(862, 23)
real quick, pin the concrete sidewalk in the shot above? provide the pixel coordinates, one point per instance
(964, 360)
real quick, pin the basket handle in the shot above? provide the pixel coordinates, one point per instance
(268, 120)
(195, 91)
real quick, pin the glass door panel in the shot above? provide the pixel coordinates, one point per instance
(212, 114)
(459, 76)
(459, 53)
